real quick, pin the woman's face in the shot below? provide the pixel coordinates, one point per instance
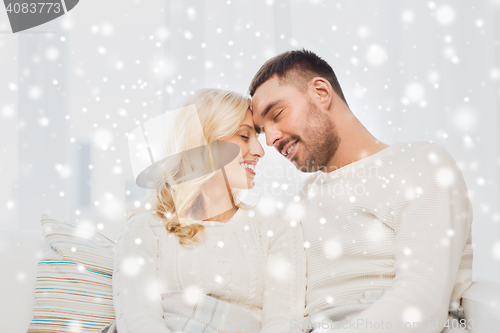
(241, 172)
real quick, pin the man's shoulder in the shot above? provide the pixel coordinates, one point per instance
(428, 165)
(418, 153)
(416, 147)
(402, 156)
(423, 145)
(429, 152)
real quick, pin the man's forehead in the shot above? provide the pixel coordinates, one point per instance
(264, 94)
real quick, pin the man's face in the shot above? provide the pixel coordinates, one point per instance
(294, 125)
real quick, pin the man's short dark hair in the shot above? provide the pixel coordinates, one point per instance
(296, 67)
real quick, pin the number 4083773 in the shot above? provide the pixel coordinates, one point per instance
(34, 7)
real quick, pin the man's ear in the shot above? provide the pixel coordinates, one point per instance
(322, 92)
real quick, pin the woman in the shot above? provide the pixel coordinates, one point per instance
(199, 260)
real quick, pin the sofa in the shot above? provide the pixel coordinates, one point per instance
(28, 256)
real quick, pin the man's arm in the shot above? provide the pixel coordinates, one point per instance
(433, 217)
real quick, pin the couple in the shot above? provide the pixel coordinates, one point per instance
(384, 244)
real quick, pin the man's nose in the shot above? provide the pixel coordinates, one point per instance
(273, 137)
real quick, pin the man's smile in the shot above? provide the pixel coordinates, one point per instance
(290, 149)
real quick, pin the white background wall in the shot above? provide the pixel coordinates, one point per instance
(70, 90)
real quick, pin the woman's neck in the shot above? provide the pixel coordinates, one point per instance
(221, 201)
(224, 217)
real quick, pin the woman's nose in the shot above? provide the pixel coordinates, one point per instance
(257, 149)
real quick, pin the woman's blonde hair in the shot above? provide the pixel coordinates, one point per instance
(220, 113)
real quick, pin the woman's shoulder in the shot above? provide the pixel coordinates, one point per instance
(144, 222)
(267, 219)
(141, 235)
(275, 222)
(142, 218)
(268, 214)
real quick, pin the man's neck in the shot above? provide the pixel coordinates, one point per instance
(356, 143)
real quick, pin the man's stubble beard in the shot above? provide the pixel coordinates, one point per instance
(320, 143)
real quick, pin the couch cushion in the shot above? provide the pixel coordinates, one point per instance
(481, 303)
(73, 290)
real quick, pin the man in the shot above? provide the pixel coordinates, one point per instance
(387, 227)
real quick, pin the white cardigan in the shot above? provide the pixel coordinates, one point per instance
(252, 266)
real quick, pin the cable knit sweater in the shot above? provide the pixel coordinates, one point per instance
(388, 239)
(247, 274)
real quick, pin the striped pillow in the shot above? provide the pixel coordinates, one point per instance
(73, 291)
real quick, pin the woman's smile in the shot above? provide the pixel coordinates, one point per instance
(249, 165)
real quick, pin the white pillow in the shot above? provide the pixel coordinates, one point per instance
(481, 303)
(73, 290)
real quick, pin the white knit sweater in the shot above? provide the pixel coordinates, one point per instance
(388, 238)
(253, 267)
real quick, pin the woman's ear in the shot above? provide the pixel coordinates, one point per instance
(322, 92)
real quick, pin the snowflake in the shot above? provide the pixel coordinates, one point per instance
(7, 111)
(363, 32)
(107, 29)
(52, 53)
(376, 55)
(445, 177)
(415, 92)
(296, 210)
(412, 315)
(445, 15)
(407, 16)
(131, 266)
(332, 249)
(35, 92)
(278, 267)
(465, 119)
(103, 138)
